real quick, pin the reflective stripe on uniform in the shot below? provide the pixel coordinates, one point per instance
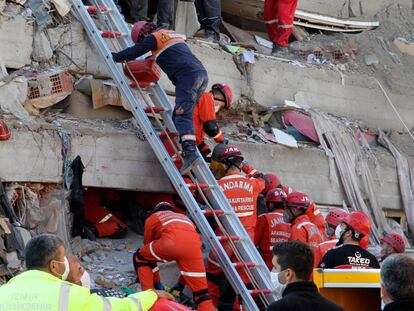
(245, 214)
(137, 303)
(156, 269)
(188, 137)
(105, 219)
(232, 176)
(316, 212)
(153, 253)
(165, 48)
(218, 135)
(286, 26)
(271, 21)
(304, 223)
(106, 304)
(178, 220)
(194, 274)
(64, 297)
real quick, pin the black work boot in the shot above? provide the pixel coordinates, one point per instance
(190, 156)
(279, 51)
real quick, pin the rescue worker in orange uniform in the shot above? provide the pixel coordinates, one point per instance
(279, 16)
(204, 116)
(333, 220)
(349, 254)
(184, 70)
(242, 192)
(302, 228)
(172, 236)
(316, 217)
(270, 227)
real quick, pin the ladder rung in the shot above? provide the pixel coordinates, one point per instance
(226, 238)
(164, 134)
(142, 84)
(196, 186)
(242, 264)
(155, 109)
(255, 292)
(92, 9)
(210, 212)
(111, 34)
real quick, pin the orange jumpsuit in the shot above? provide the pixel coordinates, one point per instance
(171, 236)
(203, 112)
(305, 231)
(242, 192)
(270, 230)
(316, 217)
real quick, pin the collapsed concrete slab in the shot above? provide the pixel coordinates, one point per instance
(115, 158)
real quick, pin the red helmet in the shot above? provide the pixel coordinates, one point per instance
(358, 221)
(298, 199)
(274, 182)
(230, 154)
(276, 195)
(335, 216)
(226, 91)
(395, 240)
(164, 304)
(140, 28)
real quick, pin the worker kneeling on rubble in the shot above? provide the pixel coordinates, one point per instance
(44, 286)
(184, 70)
(350, 255)
(169, 235)
(204, 117)
(293, 263)
(397, 283)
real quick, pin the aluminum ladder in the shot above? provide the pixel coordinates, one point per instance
(155, 101)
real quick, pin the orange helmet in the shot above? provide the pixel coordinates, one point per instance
(274, 182)
(359, 222)
(298, 199)
(226, 91)
(335, 216)
(395, 240)
(140, 29)
(276, 195)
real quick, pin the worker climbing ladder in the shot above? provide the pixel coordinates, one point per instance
(154, 101)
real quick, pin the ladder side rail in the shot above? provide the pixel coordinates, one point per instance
(161, 153)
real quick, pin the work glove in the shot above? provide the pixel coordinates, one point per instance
(159, 286)
(225, 141)
(177, 289)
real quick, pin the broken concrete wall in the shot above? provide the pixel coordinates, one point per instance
(16, 49)
(354, 96)
(114, 160)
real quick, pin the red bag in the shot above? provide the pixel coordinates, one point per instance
(164, 304)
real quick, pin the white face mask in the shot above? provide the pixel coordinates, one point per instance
(65, 273)
(86, 279)
(338, 232)
(382, 304)
(274, 277)
(217, 107)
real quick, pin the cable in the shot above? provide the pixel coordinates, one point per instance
(394, 108)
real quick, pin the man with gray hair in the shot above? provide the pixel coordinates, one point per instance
(43, 286)
(397, 283)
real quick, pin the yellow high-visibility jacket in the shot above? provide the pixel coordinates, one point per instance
(38, 290)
